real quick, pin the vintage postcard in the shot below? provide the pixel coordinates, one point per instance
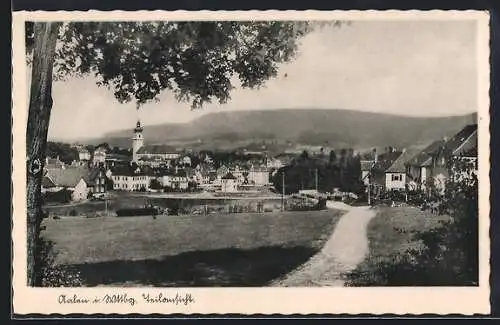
(270, 162)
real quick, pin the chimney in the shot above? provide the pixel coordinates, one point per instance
(375, 155)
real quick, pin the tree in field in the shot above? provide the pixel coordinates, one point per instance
(199, 62)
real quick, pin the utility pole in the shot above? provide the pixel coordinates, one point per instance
(283, 191)
(369, 190)
(316, 179)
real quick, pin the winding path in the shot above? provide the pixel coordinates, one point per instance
(343, 251)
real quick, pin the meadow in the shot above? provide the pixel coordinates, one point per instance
(241, 249)
(391, 234)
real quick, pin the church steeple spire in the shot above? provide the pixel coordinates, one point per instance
(138, 139)
(138, 127)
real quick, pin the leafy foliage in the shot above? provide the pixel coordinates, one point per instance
(62, 196)
(327, 170)
(198, 61)
(64, 151)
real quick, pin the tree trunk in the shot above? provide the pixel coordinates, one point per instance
(36, 136)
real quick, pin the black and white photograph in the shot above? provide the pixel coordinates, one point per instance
(254, 153)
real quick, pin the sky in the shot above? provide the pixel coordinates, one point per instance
(417, 68)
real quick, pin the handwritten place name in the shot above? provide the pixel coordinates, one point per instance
(176, 300)
(74, 299)
(124, 298)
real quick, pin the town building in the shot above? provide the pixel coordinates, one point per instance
(396, 174)
(186, 161)
(221, 172)
(99, 158)
(97, 181)
(240, 174)
(80, 181)
(377, 174)
(258, 175)
(229, 183)
(174, 179)
(130, 179)
(83, 154)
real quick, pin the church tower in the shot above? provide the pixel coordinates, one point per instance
(137, 141)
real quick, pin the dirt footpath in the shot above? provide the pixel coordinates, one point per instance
(344, 250)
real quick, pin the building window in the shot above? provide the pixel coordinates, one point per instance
(397, 177)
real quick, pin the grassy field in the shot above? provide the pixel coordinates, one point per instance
(391, 235)
(244, 249)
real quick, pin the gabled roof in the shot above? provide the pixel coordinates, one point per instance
(399, 165)
(68, 177)
(425, 156)
(127, 171)
(366, 165)
(386, 159)
(156, 149)
(47, 182)
(455, 143)
(92, 174)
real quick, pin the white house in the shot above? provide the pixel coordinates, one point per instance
(174, 180)
(258, 176)
(239, 174)
(274, 163)
(229, 183)
(83, 154)
(186, 161)
(130, 180)
(395, 175)
(99, 156)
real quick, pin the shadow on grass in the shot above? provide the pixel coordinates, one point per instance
(220, 268)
